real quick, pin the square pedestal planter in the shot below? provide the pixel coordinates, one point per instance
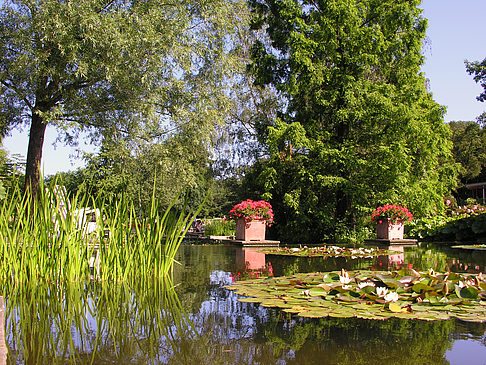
(250, 230)
(387, 230)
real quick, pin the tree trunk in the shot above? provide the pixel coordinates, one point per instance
(34, 154)
(343, 206)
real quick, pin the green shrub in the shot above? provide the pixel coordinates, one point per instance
(220, 227)
(450, 228)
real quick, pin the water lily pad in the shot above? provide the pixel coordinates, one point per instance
(389, 281)
(321, 313)
(295, 309)
(318, 291)
(249, 300)
(469, 293)
(328, 251)
(318, 295)
(397, 308)
(421, 287)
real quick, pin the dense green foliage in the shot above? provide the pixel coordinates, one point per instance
(11, 175)
(220, 227)
(447, 229)
(458, 223)
(469, 149)
(360, 128)
(117, 70)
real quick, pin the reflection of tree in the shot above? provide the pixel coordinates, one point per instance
(438, 257)
(193, 275)
(443, 258)
(353, 341)
(468, 331)
(289, 265)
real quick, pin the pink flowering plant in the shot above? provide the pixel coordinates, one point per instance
(253, 210)
(393, 213)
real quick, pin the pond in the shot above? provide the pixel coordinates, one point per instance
(201, 322)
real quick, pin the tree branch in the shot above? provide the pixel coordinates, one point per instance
(17, 91)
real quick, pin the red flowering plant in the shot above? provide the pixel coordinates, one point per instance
(253, 210)
(394, 213)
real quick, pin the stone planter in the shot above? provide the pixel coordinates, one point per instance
(388, 230)
(250, 230)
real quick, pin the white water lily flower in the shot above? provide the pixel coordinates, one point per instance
(461, 284)
(344, 277)
(391, 297)
(470, 282)
(381, 291)
(365, 284)
(295, 249)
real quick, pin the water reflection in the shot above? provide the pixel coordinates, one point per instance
(391, 262)
(195, 320)
(248, 258)
(95, 323)
(444, 258)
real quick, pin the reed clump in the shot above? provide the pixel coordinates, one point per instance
(47, 239)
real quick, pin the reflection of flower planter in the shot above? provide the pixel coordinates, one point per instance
(252, 230)
(388, 230)
(249, 259)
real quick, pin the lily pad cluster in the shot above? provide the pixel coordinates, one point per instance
(328, 251)
(372, 294)
(472, 247)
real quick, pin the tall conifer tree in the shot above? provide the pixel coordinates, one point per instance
(360, 128)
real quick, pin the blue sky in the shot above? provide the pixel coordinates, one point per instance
(455, 34)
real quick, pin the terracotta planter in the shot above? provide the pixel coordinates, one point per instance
(388, 230)
(250, 230)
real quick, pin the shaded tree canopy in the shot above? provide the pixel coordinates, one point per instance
(360, 128)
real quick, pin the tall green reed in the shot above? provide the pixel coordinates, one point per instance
(45, 240)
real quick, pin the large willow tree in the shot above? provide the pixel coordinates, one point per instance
(114, 68)
(360, 128)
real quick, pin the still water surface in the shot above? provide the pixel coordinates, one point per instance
(200, 322)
